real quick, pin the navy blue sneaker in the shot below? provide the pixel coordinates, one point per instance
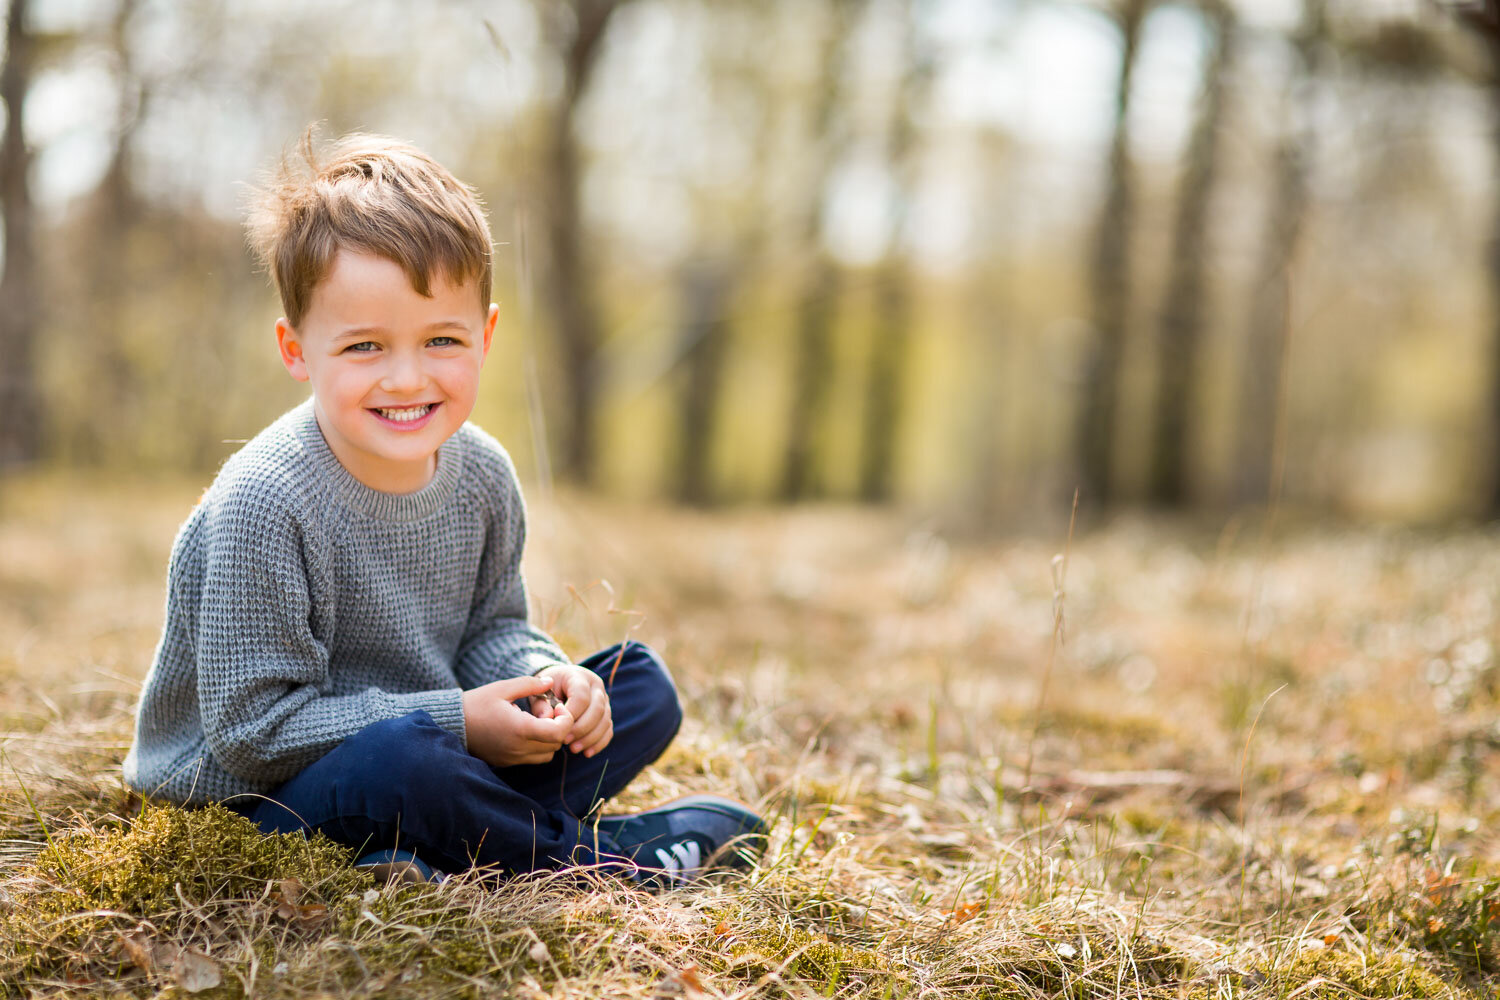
(399, 866)
(681, 841)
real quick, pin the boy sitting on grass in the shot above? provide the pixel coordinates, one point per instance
(346, 646)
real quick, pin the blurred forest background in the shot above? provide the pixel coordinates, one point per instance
(958, 254)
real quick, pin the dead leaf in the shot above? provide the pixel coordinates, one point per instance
(292, 890)
(721, 930)
(289, 906)
(139, 950)
(312, 916)
(196, 972)
(966, 911)
(1331, 938)
(692, 986)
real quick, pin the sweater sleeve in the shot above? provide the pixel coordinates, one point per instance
(500, 641)
(262, 673)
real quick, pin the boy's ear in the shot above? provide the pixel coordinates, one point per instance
(291, 350)
(489, 327)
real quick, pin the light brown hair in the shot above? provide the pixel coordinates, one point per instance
(372, 194)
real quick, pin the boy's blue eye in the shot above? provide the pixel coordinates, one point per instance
(363, 347)
(443, 341)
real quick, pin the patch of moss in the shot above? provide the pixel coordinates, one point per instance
(795, 953)
(1150, 969)
(1332, 975)
(1162, 826)
(168, 856)
(812, 899)
(176, 869)
(1121, 730)
(1101, 978)
(469, 941)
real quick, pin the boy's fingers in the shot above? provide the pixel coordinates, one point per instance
(589, 723)
(541, 756)
(600, 740)
(604, 731)
(593, 735)
(552, 730)
(516, 688)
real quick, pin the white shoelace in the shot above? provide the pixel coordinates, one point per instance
(682, 861)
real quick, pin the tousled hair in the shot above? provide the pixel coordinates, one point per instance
(371, 194)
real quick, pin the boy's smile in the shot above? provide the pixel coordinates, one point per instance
(394, 373)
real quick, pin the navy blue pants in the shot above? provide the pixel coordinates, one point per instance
(408, 783)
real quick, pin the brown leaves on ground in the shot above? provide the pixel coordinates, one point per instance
(289, 906)
(189, 967)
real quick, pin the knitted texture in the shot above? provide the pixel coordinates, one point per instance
(303, 606)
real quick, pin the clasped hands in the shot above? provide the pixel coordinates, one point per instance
(502, 734)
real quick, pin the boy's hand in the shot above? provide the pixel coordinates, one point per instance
(584, 701)
(500, 734)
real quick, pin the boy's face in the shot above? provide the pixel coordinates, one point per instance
(394, 373)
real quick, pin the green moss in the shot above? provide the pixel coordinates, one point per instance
(1332, 975)
(1116, 728)
(1161, 826)
(795, 953)
(178, 870)
(168, 856)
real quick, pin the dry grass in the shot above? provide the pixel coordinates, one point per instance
(1284, 795)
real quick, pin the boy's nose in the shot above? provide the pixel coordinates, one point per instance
(403, 374)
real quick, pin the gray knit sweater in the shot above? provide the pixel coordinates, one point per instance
(302, 606)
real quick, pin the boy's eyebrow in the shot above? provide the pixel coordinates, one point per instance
(362, 332)
(356, 333)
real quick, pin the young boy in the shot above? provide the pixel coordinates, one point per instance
(346, 646)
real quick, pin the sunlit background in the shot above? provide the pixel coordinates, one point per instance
(959, 255)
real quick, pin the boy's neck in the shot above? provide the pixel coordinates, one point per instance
(384, 475)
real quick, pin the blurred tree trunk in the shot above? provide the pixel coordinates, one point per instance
(822, 281)
(20, 296)
(116, 214)
(885, 395)
(1484, 17)
(726, 257)
(1270, 308)
(811, 373)
(1110, 282)
(885, 392)
(567, 279)
(1180, 345)
(705, 288)
(1492, 507)
(118, 186)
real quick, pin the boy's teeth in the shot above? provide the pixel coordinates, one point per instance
(405, 413)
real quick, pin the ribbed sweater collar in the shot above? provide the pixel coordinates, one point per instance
(372, 502)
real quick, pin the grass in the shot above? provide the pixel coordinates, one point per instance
(1296, 799)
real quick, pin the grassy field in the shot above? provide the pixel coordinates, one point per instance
(1190, 761)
